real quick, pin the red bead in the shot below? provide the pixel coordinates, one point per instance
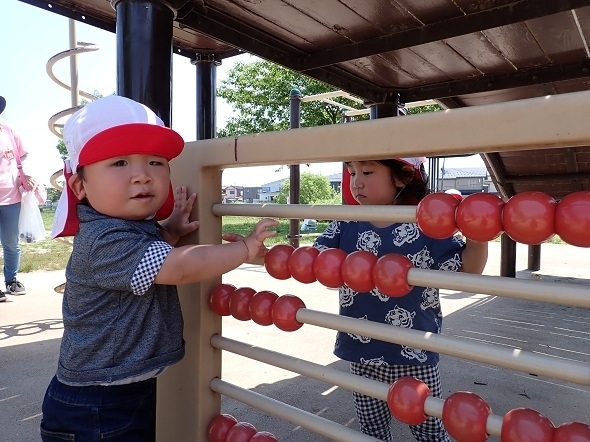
(524, 424)
(263, 436)
(261, 305)
(357, 270)
(406, 398)
(284, 312)
(435, 215)
(529, 217)
(300, 264)
(327, 267)
(239, 303)
(465, 417)
(390, 275)
(479, 216)
(572, 219)
(219, 426)
(219, 298)
(240, 432)
(276, 259)
(572, 432)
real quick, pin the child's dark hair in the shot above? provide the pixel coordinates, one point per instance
(416, 189)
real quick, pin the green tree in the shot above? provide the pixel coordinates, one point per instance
(259, 94)
(424, 109)
(53, 194)
(313, 188)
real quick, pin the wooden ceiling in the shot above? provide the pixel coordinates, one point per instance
(458, 52)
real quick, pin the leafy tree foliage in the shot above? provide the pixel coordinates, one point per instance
(313, 189)
(259, 94)
(424, 109)
(53, 194)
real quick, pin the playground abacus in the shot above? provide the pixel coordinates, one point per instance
(530, 217)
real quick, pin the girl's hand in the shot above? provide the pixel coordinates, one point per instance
(178, 224)
(32, 183)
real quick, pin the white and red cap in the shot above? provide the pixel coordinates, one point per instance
(106, 128)
(415, 162)
(456, 194)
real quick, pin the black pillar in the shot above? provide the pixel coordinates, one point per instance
(534, 263)
(507, 256)
(206, 70)
(294, 170)
(144, 54)
(384, 110)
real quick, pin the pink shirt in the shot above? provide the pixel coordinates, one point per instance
(10, 145)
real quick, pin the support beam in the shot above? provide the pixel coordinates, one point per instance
(206, 78)
(534, 261)
(513, 12)
(526, 124)
(507, 257)
(144, 54)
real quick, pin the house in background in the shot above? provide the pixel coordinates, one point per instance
(467, 180)
(268, 191)
(232, 194)
(336, 181)
(251, 194)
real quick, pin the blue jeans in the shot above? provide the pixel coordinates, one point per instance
(125, 413)
(9, 238)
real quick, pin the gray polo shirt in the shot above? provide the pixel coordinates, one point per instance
(118, 324)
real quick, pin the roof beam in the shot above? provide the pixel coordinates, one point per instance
(479, 21)
(486, 83)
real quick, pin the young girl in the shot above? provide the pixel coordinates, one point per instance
(400, 181)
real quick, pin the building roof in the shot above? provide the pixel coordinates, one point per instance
(464, 172)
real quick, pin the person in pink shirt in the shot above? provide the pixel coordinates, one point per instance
(10, 201)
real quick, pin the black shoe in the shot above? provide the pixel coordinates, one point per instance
(15, 288)
(2, 296)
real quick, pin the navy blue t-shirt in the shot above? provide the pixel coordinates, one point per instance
(420, 309)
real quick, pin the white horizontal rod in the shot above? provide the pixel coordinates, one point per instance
(562, 293)
(526, 124)
(324, 95)
(401, 214)
(329, 375)
(289, 413)
(499, 356)
(432, 407)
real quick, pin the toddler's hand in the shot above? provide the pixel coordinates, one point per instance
(255, 240)
(178, 223)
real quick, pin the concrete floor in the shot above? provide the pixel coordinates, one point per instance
(31, 328)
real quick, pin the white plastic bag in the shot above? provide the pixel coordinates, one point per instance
(30, 222)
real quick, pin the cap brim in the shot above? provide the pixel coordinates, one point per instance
(2, 104)
(132, 139)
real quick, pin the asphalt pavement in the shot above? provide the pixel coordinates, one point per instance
(31, 329)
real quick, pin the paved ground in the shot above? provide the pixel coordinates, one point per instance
(31, 327)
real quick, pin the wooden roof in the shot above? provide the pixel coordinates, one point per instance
(458, 52)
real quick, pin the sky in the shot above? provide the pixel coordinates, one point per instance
(32, 97)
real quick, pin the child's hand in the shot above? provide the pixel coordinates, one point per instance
(254, 241)
(236, 237)
(178, 224)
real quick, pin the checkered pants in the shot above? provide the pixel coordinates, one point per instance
(374, 415)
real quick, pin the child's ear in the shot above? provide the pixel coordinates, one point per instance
(408, 172)
(76, 183)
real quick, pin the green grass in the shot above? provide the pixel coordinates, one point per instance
(53, 255)
(243, 226)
